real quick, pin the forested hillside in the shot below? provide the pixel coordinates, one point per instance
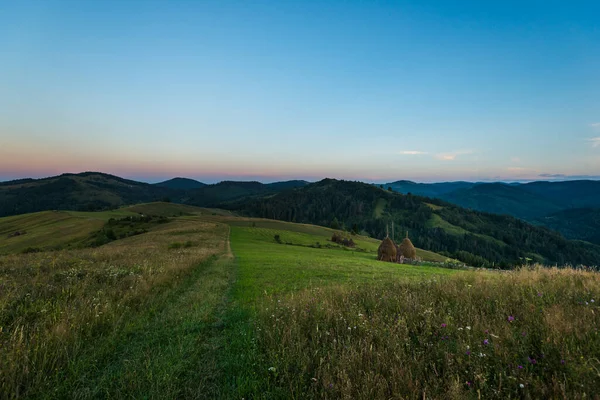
(88, 191)
(474, 237)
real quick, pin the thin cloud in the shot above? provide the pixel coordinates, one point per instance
(453, 155)
(595, 125)
(595, 141)
(517, 169)
(412, 153)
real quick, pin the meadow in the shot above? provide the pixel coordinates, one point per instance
(210, 305)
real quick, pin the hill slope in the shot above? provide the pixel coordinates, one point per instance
(576, 223)
(471, 236)
(181, 184)
(500, 198)
(428, 189)
(226, 191)
(83, 192)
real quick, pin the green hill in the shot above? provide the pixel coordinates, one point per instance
(576, 223)
(181, 184)
(226, 191)
(88, 191)
(500, 198)
(474, 237)
(428, 189)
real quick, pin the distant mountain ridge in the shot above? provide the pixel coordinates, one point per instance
(531, 201)
(89, 191)
(181, 184)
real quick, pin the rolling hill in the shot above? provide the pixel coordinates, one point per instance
(538, 202)
(181, 184)
(223, 192)
(576, 223)
(474, 237)
(428, 189)
(501, 198)
(86, 191)
(92, 191)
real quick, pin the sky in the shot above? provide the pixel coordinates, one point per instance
(272, 90)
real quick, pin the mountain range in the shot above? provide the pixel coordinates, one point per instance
(550, 204)
(486, 224)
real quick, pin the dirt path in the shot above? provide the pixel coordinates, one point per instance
(171, 352)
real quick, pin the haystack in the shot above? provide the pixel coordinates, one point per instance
(407, 249)
(387, 250)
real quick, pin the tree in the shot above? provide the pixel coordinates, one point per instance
(335, 224)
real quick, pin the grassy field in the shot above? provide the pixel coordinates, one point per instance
(211, 305)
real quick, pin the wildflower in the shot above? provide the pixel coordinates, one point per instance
(592, 300)
(468, 352)
(468, 328)
(520, 367)
(486, 331)
(444, 325)
(539, 294)
(469, 383)
(521, 385)
(460, 329)
(523, 334)
(532, 360)
(272, 369)
(481, 354)
(313, 379)
(562, 362)
(486, 342)
(511, 318)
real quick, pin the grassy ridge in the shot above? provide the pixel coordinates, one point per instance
(71, 319)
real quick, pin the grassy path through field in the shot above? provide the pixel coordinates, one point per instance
(170, 352)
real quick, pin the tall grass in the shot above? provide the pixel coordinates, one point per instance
(532, 333)
(56, 307)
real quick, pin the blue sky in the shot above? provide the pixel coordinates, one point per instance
(273, 90)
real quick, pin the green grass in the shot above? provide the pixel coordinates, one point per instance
(171, 314)
(379, 208)
(267, 267)
(437, 222)
(162, 209)
(51, 229)
(130, 319)
(530, 334)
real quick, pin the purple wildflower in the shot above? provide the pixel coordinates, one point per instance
(523, 334)
(486, 341)
(444, 325)
(520, 367)
(532, 360)
(562, 362)
(469, 383)
(468, 352)
(539, 294)
(511, 318)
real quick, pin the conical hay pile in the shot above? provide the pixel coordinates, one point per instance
(407, 249)
(387, 250)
